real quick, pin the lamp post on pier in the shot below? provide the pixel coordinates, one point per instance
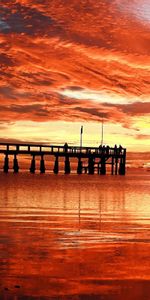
(81, 132)
(102, 132)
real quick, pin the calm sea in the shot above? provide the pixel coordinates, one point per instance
(75, 236)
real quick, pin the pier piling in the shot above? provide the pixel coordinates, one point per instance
(91, 165)
(112, 166)
(42, 165)
(116, 165)
(56, 165)
(15, 164)
(98, 167)
(103, 166)
(67, 165)
(6, 164)
(32, 168)
(122, 167)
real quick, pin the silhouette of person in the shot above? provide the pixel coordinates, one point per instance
(103, 149)
(100, 148)
(66, 147)
(115, 149)
(120, 149)
(107, 150)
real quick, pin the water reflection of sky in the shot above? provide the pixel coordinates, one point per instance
(74, 236)
(85, 203)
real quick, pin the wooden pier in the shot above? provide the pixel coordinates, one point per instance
(97, 157)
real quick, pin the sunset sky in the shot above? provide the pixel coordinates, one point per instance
(67, 63)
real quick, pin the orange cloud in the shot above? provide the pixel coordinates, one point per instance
(73, 61)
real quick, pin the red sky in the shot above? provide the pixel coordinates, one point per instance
(69, 63)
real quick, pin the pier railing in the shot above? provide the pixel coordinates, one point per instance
(116, 156)
(54, 149)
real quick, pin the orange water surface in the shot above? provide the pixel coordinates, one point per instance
(74, 237)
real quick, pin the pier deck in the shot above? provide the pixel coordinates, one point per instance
(98, 157)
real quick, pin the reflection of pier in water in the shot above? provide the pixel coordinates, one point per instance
(97, 157)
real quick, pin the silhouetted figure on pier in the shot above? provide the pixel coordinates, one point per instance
(88, 151)
(115, 149)
(103, 149)
(100, 149)
(65, 147)
(107, 150)
(120, 149)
